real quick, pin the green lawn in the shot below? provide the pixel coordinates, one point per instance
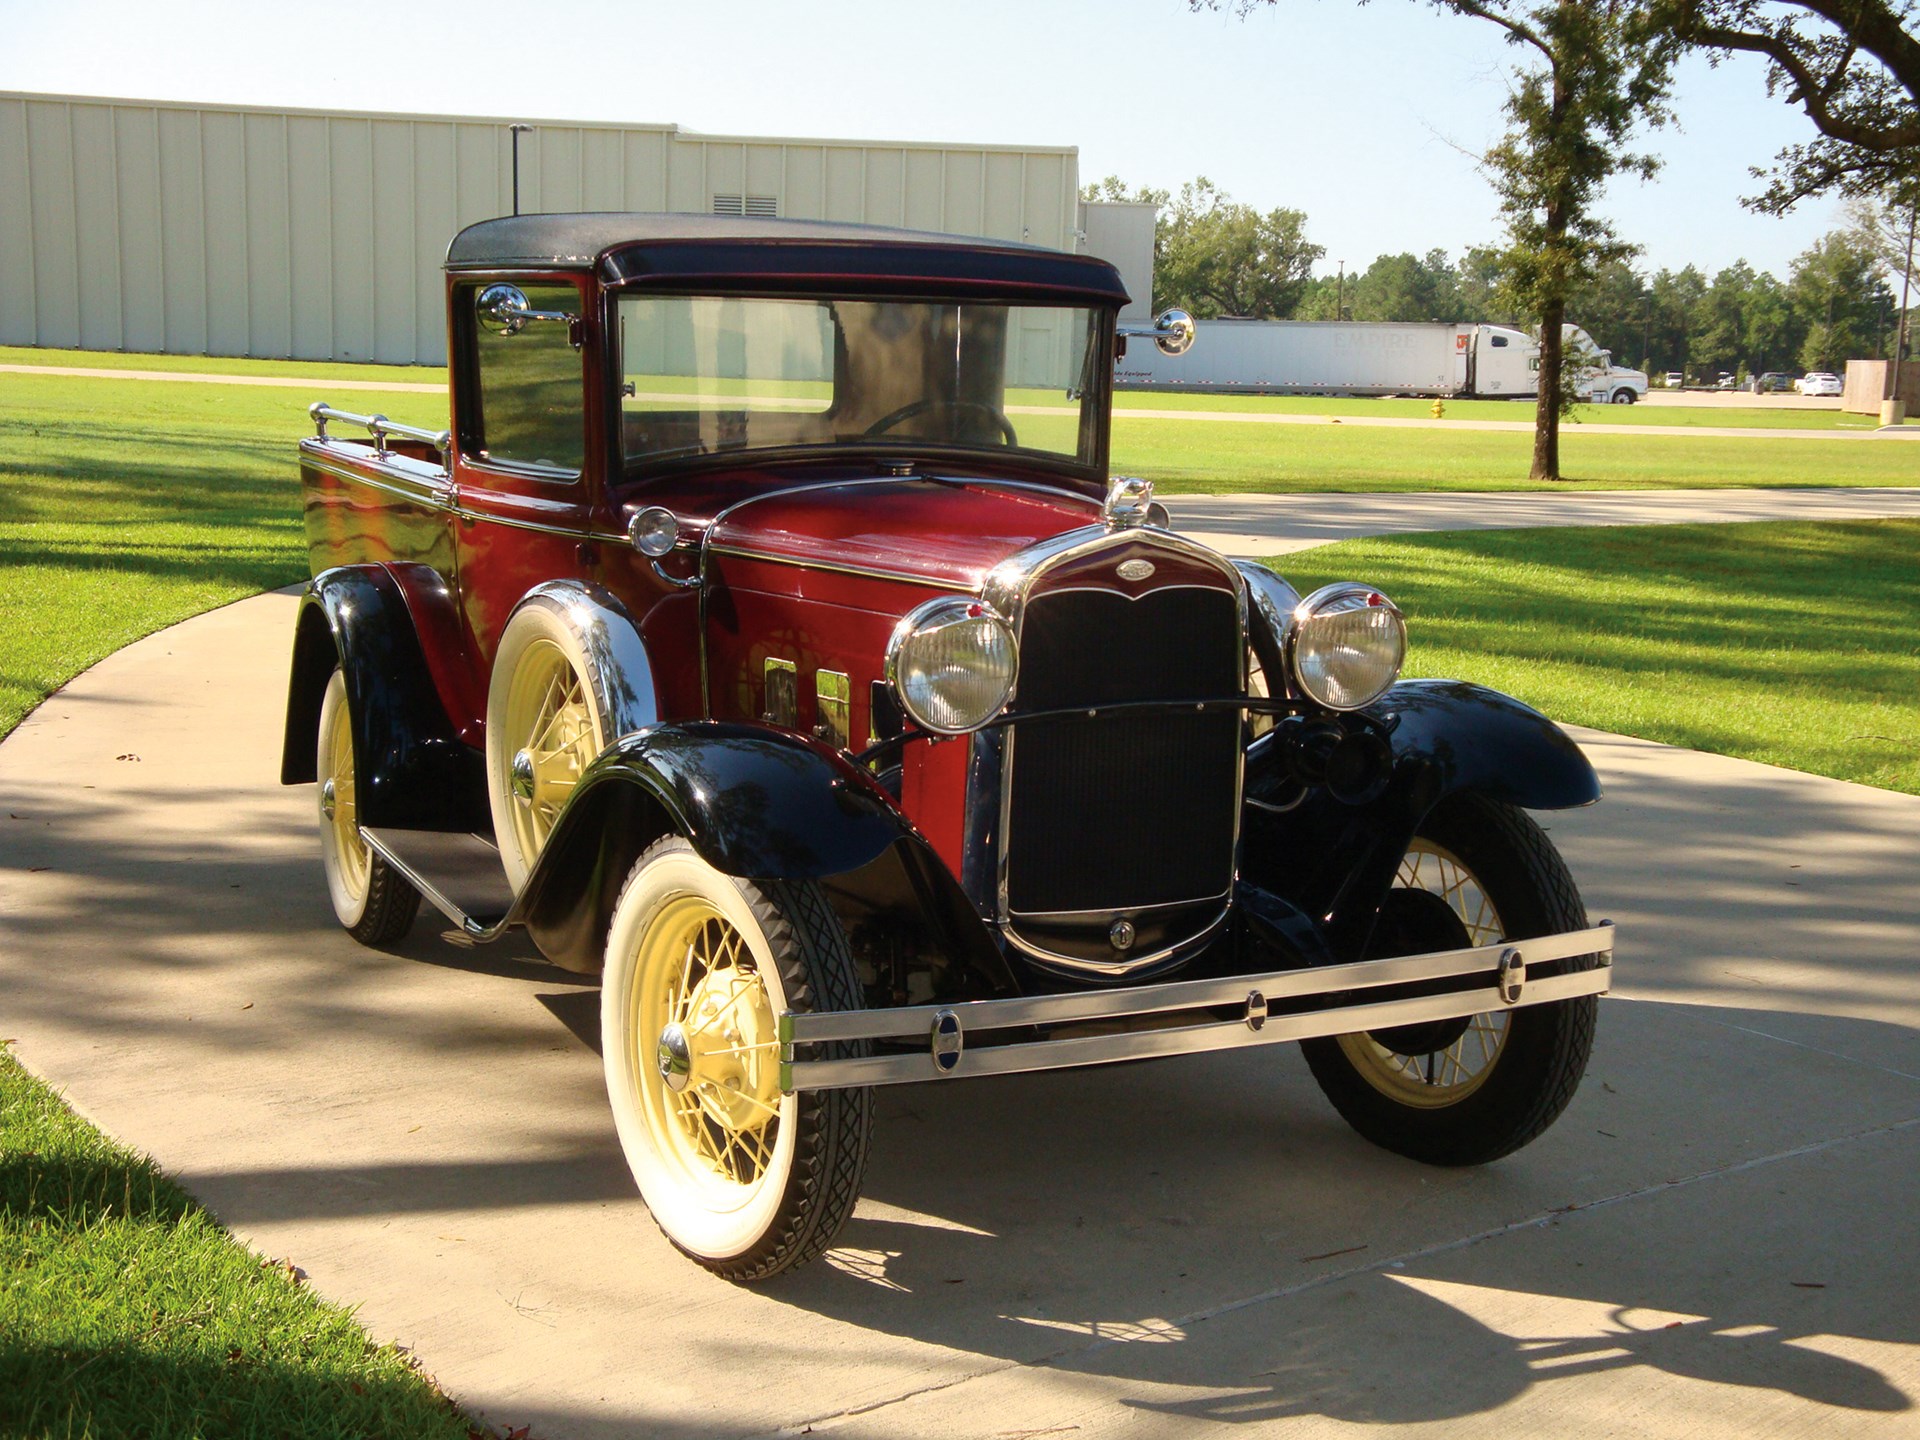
(1756, 417)
(223, 365)
(125, 1309)
(1792, 644)
(1197, 457)
(124, 509)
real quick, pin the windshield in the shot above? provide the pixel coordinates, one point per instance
(713, 374)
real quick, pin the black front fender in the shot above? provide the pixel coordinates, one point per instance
(754, 802)
(413, 772)
(1337, 861)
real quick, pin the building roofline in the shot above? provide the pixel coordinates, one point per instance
(502, 121)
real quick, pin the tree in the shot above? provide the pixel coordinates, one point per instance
(1406, 287)
(1852, 65)
(1213, 256)
(1838, 292)
(1610, 304)
(1598, 72)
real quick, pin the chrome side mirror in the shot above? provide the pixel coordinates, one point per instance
(503, 309)
(1173, 331)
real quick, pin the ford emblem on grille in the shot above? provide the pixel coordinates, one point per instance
(1135, 569)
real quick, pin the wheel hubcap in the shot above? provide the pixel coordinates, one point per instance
(328, 800)
(676, 1061)
(521, 770)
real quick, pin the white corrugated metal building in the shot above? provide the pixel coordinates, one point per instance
(233, 230)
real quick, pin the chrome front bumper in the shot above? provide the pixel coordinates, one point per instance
(1173, 1019)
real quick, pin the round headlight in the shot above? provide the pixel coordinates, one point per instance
(1347, 645)
(950, 664)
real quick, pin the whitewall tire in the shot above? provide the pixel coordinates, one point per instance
(699, 967)
(544, 727)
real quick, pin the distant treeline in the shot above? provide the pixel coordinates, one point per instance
(1839, 302)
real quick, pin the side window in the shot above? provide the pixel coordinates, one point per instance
(530, 387)
(1499, 342)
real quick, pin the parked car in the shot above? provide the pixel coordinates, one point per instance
(766, 633)
(1675, 380)
(1773, 382)
(1724, 382)
(1821, 383)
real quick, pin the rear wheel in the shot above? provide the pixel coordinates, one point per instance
(1462, 1092)
(745, 1180)
(370, 898)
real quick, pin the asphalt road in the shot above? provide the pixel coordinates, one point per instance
(1717, 1239)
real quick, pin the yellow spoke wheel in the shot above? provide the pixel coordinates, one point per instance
(372, 901)
(1468, 1090)
(1454, 1070)
(544, 728)
(699, 967)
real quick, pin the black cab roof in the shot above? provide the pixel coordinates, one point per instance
(634, 247)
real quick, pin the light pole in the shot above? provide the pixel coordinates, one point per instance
(1892, 410)
(1340, 294)
(517, 131)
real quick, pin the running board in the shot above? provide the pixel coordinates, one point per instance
(457, 873)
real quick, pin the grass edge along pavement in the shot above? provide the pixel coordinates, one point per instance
(127, 1309)
(1791, 643)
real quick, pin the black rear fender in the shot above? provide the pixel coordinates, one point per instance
(1337, 860)
(413, 772)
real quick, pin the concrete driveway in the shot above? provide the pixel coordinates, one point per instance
(1718, 1238)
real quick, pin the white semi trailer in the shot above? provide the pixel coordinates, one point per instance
(1312, 357)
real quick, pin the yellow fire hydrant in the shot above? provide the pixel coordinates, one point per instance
(1439, 409)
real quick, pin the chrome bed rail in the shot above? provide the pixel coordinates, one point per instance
(380, 427)
(1498, 976)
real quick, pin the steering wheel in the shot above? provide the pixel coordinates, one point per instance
(920, 407)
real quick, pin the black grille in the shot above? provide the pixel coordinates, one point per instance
(1134, 809)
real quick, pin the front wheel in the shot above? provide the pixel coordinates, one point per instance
(544, 727)
(1624, 397)
(745, 1180)
(1463, 1092)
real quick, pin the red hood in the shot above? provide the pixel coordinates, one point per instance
(947, 532)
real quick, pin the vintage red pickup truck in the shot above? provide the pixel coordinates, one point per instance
(766, 634)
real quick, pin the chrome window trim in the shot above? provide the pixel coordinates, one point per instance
(1007, 588)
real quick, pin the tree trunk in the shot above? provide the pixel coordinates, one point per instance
(1546, 413)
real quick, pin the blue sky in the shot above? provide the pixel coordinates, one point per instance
(1366, 117)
